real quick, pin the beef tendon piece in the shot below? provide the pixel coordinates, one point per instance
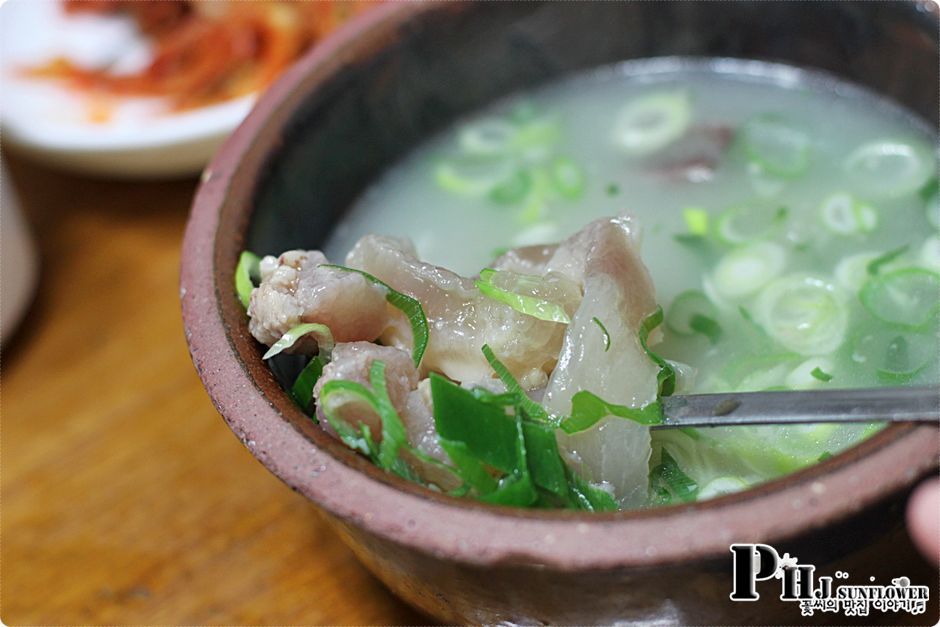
(295, 289)
(618, 291)
(461, 319)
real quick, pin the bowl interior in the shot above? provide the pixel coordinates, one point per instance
(376, 98)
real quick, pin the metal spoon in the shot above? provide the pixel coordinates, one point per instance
(903, 404)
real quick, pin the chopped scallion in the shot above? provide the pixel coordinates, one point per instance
(247, 275)
(533, 409)
(667, 374)
(302, 390)
(322, 333)
(875, 265)
(696, 219)
(587, 409)
(523, 303)
(604, 331)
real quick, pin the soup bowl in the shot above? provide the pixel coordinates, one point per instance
(361, 101)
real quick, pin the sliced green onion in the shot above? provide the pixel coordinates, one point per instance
(513, 189)
(302, 390)
(405, 304)
(247, 275)
(764, 184)
(851, 272)
(652, 122)
(776, 145)
(906, 298)
(533, 409)
(689, 306)
(875, 265)
(696, 219)
(741, 224)
(745, 270)
(930, 194)
(523, 303)
(356, 438)
(534, 139)
(567, 177)
(889, 168)
(891, 377)
(394, 435)
(487, 138)
(668, 484)
(804, 313)
(587, 409)
(604, 331)
(930, 253)
(706, 326)
(483, 432)
(721, 486)
(844, 215)
(536, 203)
(590, 497)
(667, 374)
(472, 178)
(810, 374)
(322, 333)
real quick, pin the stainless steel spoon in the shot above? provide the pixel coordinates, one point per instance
(902, 404)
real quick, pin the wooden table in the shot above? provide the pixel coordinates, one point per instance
(125, 498)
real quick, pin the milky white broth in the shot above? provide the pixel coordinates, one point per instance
(777, 211)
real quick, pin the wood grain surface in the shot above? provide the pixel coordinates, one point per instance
(125, 498)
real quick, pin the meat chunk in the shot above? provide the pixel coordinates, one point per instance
(461, 319)
(525, 260)
(618, 291)
(410, 398)
(352, 362)
(294, 289)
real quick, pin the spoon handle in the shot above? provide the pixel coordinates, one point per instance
(901, 404)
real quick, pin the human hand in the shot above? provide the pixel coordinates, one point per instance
(923, 519)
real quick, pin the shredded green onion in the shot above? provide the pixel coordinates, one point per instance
(817, 373)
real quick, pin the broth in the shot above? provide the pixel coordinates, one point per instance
(789, 224)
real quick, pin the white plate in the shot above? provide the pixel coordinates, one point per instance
(142, 137)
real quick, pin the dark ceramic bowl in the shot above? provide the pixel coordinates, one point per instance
(357, 104)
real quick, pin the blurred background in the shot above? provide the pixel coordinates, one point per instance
(126, 499)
